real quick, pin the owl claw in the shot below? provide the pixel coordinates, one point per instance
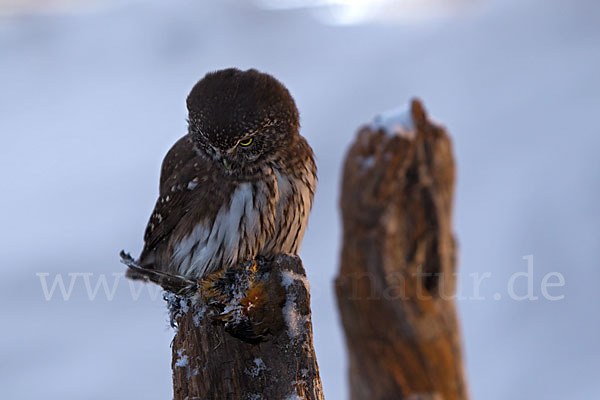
(127, 259)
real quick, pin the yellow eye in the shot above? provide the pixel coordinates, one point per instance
(246, 142)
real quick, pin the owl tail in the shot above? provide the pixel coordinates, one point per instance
(177, 284)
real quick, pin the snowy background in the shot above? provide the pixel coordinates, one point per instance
(92, 97)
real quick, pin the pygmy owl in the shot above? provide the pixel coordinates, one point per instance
(238, 186)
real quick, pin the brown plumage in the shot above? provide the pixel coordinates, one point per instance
(238, 186)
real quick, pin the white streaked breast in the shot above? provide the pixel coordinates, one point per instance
(211, 247)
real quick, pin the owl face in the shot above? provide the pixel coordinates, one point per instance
(242, 119)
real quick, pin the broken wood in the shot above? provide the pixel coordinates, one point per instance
(249, 336)
(397, 276)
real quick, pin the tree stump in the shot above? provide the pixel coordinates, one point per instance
(249, 337)
(397, 276)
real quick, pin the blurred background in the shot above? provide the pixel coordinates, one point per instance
(92, 95)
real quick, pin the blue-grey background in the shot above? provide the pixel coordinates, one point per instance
(92, 96)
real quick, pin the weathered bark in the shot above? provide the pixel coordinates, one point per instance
(397, 277)
(273, 311)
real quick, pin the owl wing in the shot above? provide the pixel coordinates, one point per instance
(191, 191)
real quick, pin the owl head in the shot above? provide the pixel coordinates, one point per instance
(242, 119)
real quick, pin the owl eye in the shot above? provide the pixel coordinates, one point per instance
(246, 142)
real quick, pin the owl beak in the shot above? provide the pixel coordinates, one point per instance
(221, 157)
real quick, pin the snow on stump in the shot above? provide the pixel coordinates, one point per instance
(397, 276)
(247, 336)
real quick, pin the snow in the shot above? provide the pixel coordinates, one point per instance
(396, 122)
(293, 319)
(90, 103)
(288, 277)
(259, 366)
(291, 316)
(199, 314)
(183, 303)
(182, 361)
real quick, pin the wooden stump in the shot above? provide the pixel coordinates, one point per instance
(397, 277)
(271, 355)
